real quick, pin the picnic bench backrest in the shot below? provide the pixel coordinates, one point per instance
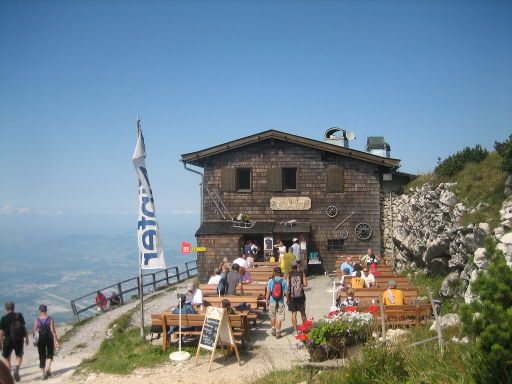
(211, 289)
(234, 300)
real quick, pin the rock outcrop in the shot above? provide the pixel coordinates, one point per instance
(423, 230)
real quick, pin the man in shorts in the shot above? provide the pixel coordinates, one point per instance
(277, 290)
(7, 323)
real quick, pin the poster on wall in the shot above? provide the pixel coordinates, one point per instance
(268, 244)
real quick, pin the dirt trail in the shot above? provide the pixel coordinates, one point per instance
(264, 354)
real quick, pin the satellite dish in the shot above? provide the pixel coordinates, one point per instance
(350, 135)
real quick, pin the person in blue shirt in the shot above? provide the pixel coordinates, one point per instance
(347, 267)
(186, 309)
(277, 290)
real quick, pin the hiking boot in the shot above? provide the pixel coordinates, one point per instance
(48, 372)
(44, 376)
(278, 335)
(273, 332)
(16, 375)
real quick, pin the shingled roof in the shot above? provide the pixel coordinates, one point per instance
(197, 158)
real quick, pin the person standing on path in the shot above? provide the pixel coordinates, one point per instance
(296, 251)
(47, 340)
(12, 334)
(296, 295)
(277, 290)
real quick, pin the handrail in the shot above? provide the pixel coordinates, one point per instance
(172, 275)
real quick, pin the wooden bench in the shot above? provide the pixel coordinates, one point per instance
(253, 289)
(238, 324)
(383, 281)
(260, 275)
(258, 264)
(383, 274)
(403, 315)
(366, 295)
(216, 301)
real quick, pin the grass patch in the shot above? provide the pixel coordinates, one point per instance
(396, 364)
(482, 182)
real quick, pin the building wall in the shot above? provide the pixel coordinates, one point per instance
(217, 247)
(362, 191)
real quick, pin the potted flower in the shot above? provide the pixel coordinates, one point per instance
(340, 329)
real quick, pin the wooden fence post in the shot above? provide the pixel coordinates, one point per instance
(167, 276)
(154, 282)
(438, 324)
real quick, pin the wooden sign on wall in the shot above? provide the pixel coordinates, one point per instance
(290, 203)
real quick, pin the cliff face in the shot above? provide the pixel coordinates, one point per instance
(422, 230)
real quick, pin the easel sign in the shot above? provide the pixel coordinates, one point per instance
(216, 330)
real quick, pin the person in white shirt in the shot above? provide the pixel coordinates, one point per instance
(241, 261)
(368, 277)
(215, 278)
(194, 297)
(281, 250)
(296, 250)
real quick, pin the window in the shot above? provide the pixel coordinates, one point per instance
(289, 179)
(243, 179)
(335, 245)
(334, 178)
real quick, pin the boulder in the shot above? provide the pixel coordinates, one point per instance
(498, 232)
(480, 259)
(449, 320)
(448, 198)
(449, 282)
(438, 266)
(508, 185)
(485, 227)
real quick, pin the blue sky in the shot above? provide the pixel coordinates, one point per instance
(430, 76)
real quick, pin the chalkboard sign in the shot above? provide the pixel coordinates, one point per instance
(216, 328)
(209, 334)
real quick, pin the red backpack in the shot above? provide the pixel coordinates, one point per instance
(277, 290)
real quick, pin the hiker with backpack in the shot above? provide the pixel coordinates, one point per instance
(12, 334)
(46, 340)
(277, 290)
(296, 297)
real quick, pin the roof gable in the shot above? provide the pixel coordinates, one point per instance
(197, 158)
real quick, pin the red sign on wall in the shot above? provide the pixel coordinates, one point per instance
(185, 247)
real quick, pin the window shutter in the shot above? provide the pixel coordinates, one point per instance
(228, 180)
(334, 176)
(274, 181)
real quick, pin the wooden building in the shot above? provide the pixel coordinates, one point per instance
(288, 186)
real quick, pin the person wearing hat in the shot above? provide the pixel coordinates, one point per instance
(194, 297)
(392, 296)
(296, 251)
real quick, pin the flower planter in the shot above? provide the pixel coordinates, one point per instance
(317, 354)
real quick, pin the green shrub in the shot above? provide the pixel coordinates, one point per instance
(489, 319)
(505, 151)
(455, 163)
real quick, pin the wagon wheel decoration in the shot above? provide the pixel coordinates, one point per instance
(332, 211)
(343, 234)
(363, 231)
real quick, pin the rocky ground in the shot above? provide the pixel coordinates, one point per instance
(264, 354)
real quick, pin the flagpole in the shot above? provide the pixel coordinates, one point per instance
(141, 281)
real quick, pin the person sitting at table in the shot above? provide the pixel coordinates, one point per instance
(234, 280)
(348, 301)
(215, 278)
(226, 304)
(245, 276)
(347, 267)
(357, 267)
(241, 260)
(368, 277)
(370, 258)
(194, 297)
(357, 281)
(186, 309)
(392, 296)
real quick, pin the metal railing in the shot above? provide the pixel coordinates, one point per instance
(154, 281)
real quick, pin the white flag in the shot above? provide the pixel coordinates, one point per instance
(148, 235)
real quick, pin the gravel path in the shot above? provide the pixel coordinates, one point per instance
(264, 353)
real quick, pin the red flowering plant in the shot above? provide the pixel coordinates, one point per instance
(339, 329)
